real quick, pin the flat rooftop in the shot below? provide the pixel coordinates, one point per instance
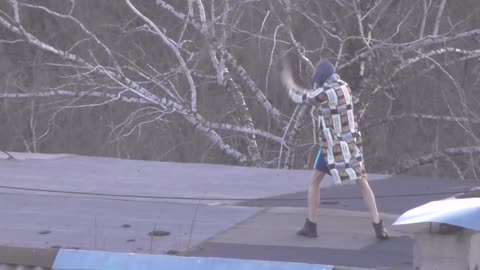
(107, 204)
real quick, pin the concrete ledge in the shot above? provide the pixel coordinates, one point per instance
(350, 268)
(27, 256)
(32, 156)
(65, 259)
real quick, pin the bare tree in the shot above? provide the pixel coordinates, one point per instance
(211, 68)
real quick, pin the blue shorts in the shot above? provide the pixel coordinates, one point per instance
(321, 164)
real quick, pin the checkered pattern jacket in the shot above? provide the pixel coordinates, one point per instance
(341, 139)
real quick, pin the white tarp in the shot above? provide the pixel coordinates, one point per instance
(460, 212)
(100, 260)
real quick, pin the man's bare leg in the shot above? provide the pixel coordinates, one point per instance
(310, 227)
(314, 195)
(369, 199)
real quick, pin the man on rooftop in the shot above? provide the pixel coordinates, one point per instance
(340, 154)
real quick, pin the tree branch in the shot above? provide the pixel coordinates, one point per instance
(434, 40)
(421, 116)
(193, 118)
(135, 100)
(439, 17)
(174, 47)
(232, 63)
(409, 164)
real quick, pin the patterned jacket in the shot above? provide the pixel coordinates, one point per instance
(342, 141)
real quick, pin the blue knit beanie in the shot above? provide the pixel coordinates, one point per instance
(323, 71)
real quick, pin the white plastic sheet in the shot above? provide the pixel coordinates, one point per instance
(460, 212)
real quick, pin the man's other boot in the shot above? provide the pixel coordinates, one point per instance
(308, 230)
(380, 230)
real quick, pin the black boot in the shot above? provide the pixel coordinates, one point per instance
(380, 230)
(308, 230)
